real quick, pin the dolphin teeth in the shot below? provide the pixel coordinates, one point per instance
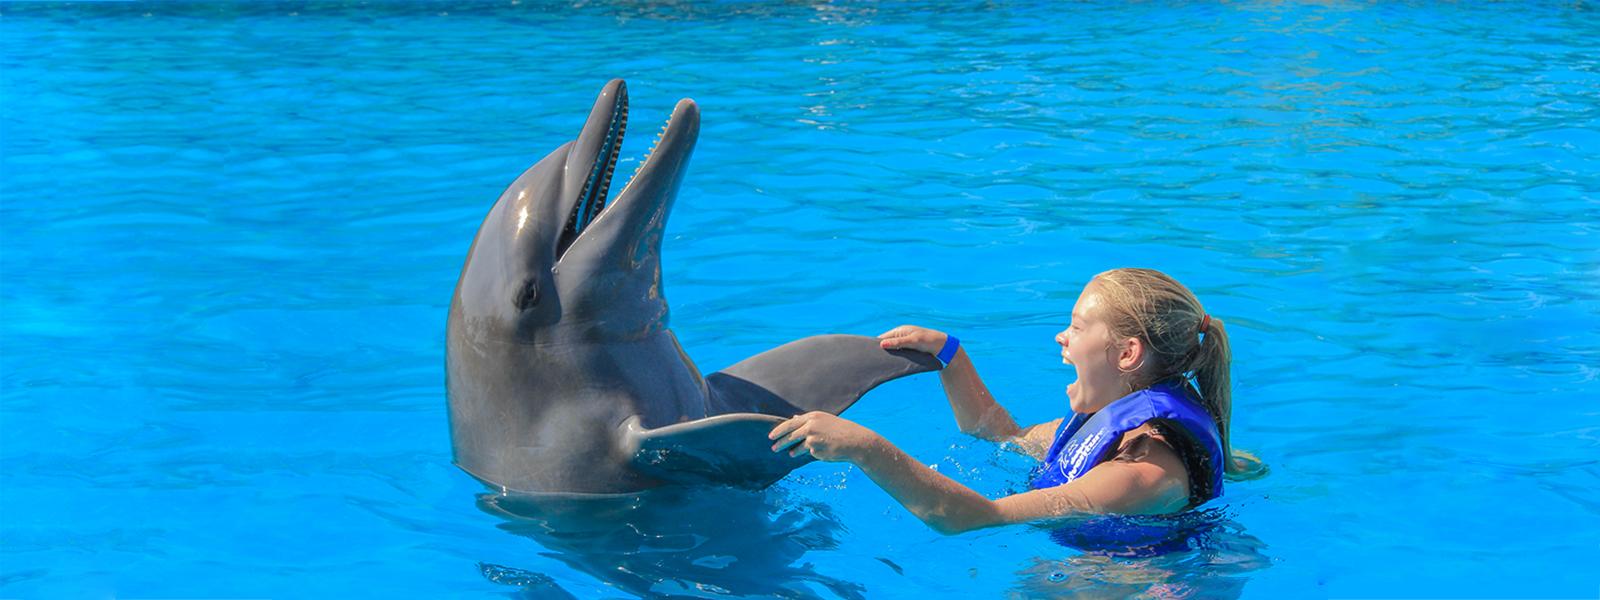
(647, 154)
(593, 197)
(611, 168)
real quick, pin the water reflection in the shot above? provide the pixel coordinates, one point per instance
(677, 542)
(1201, 554)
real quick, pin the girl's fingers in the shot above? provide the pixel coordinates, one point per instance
(913, 342)
(799, 450)
(896, 332)
(788, 433)
(784, 428)
(787, 442)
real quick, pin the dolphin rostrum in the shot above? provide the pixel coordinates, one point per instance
(561, 373)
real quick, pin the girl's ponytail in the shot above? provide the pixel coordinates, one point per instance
(1212, 375)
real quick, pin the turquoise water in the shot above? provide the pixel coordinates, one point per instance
(231, 231)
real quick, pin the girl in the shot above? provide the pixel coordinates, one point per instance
(1141, 439)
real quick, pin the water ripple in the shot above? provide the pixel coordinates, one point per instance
(230, 232)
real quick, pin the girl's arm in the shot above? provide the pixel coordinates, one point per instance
(976, 411)
(1157, 485)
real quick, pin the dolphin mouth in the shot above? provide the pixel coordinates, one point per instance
(610, 116)
(647, 193)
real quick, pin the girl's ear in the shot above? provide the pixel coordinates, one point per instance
(1131, 356)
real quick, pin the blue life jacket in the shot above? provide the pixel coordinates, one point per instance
(1088, 440)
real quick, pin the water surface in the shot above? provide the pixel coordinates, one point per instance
(230, 234)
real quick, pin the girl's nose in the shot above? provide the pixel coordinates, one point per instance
(1061, 338)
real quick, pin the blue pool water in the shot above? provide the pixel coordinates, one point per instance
(231, 231)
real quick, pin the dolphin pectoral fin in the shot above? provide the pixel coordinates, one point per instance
(730, 449)
(825, 372)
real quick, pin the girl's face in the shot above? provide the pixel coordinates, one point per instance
(1086, 344)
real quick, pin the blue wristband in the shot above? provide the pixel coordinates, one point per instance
(948, 352)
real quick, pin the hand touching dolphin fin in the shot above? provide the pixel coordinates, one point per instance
(826, 372)
(730, 449)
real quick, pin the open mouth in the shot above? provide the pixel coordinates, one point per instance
(592, 202)
(593, 199)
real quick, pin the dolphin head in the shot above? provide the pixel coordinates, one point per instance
(555, 262)
(561, 375)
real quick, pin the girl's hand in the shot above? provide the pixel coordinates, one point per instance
(824, 436)
(912, 337)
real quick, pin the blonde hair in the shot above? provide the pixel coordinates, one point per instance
(1180, 339)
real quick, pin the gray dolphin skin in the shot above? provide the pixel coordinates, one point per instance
(562, 375)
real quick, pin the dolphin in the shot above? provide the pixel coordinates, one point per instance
(562, 376)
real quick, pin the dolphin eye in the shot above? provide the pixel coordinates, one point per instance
(528, 295)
